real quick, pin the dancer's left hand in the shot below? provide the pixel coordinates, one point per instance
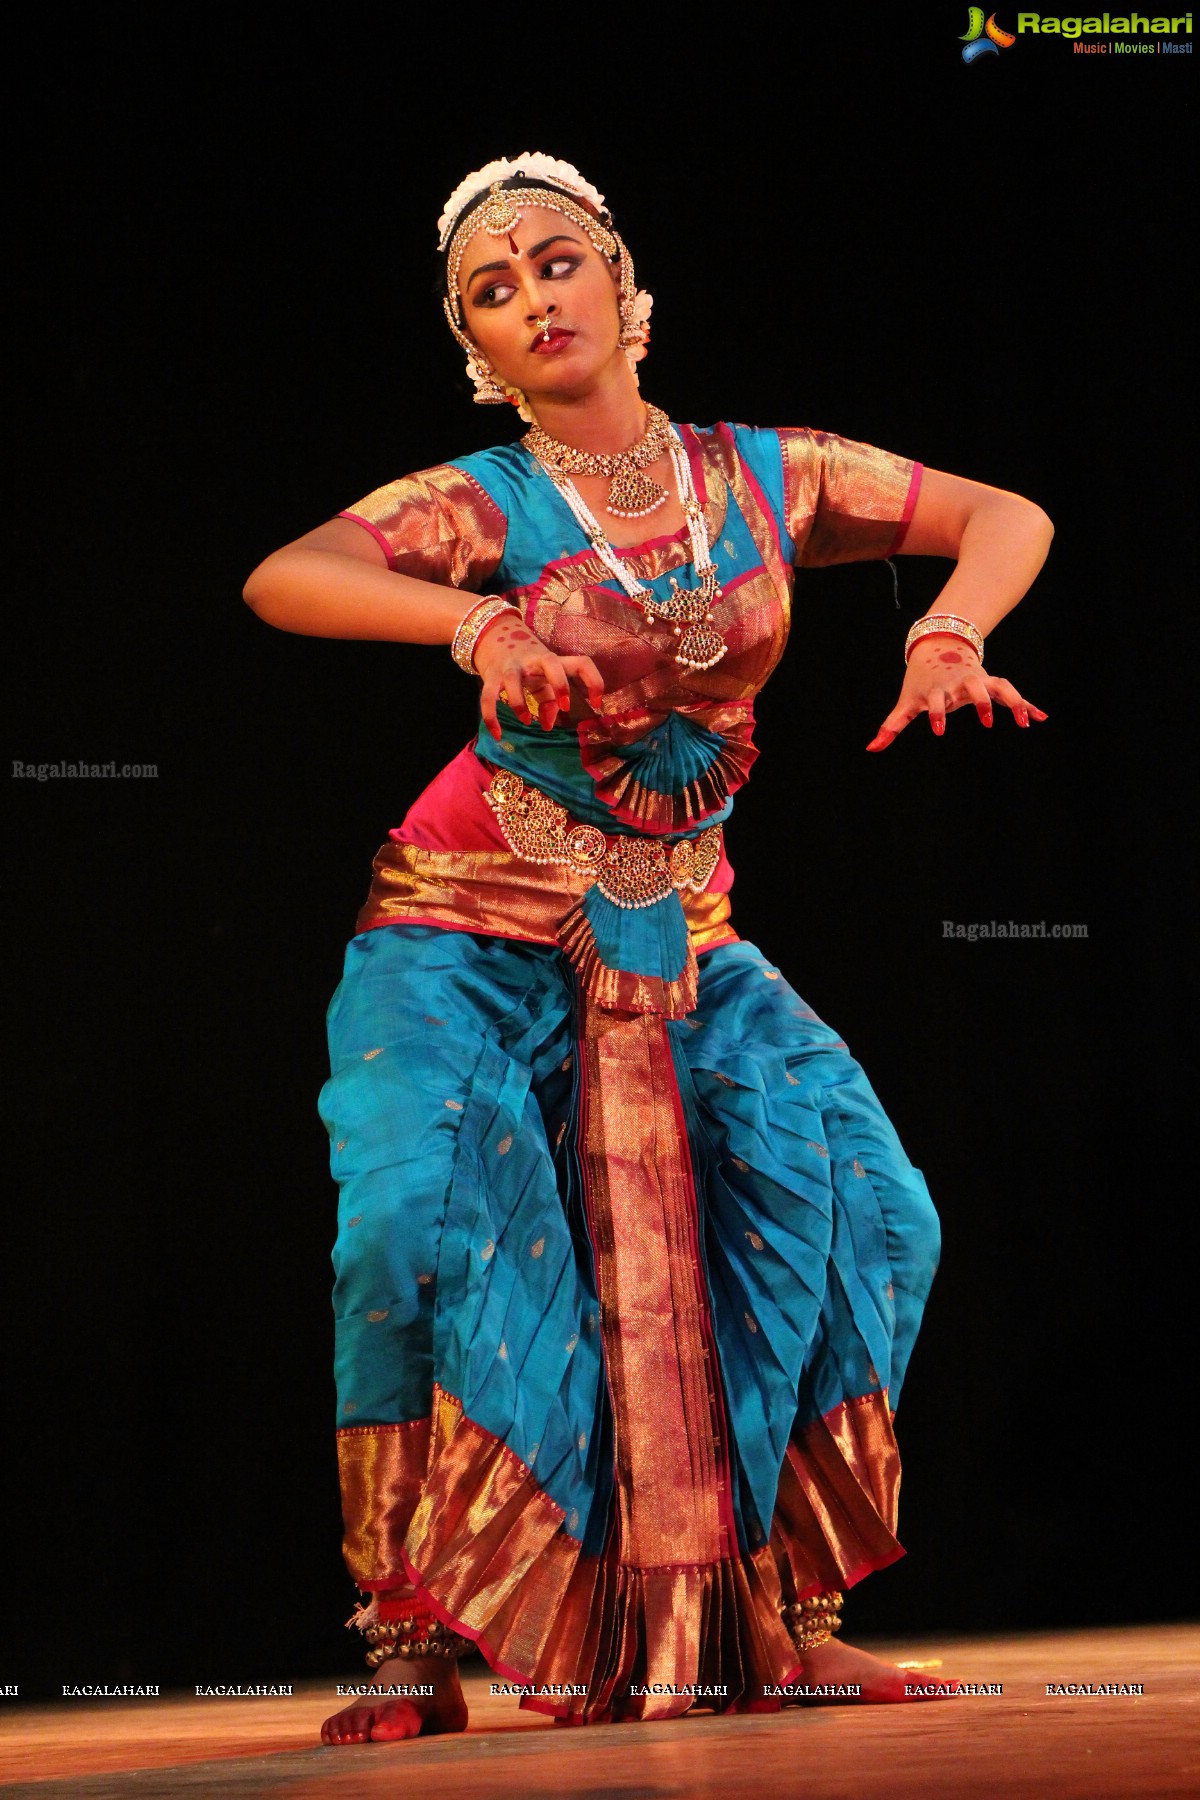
(945, 673)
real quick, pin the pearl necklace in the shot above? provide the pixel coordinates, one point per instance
(700, 643)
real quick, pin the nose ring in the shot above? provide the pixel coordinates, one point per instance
(543, 325)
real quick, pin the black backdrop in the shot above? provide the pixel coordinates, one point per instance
(228, 332)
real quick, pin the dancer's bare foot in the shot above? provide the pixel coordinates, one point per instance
(836, 1665)
(380, 1717)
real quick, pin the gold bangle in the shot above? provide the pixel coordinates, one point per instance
(471, 625)
(949, 624)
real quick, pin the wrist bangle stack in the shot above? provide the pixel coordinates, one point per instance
(951, 626)
(471, 625)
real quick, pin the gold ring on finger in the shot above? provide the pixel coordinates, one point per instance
(530, 702)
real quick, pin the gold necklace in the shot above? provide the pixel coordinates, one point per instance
(631, 494)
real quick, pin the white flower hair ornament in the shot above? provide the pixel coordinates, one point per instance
(533, 164)
(482, 203)
(635, 338)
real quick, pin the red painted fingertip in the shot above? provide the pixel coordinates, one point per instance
(938, 725)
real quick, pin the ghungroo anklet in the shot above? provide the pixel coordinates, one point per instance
(812, 1622)
(417, 1633)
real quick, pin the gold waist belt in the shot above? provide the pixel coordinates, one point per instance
(629, 871)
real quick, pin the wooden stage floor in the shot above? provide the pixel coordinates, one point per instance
(1020, 1742)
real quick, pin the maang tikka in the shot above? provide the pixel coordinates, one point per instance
(497, 211)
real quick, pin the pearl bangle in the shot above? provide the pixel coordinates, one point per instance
(949, 625)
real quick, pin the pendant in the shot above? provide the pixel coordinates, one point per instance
(633, 494)
(499, 215)
(701, 646)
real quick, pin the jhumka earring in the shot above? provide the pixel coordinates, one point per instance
(633, 310)
(489, 391)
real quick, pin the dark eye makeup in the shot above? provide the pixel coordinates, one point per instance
(555, 268)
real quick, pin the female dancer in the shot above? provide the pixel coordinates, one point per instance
(630, 1260)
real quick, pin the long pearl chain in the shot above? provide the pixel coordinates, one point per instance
(687, 609)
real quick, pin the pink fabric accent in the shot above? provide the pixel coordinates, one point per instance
(731, 586)
(374, 531)
(760, 499)
(721, 879)
(910, 506)
(451, 813)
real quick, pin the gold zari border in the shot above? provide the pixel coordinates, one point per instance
(671, 1455)
(485, 1545)
(500, 893)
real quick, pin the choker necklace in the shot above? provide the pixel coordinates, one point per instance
(632, 494)
(687, 609)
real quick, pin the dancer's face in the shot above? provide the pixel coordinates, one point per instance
(545, 268)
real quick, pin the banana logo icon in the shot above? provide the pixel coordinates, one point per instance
(983, 37)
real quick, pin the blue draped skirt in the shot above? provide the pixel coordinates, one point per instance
(623, 1312)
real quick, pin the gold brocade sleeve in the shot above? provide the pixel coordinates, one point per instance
(843, 501)
(438, 525)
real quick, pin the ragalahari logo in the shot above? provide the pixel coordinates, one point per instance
(983, 39)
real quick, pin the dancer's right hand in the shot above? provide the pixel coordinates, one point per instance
(514, 663)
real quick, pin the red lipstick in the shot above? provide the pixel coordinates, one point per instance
(546, 344)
